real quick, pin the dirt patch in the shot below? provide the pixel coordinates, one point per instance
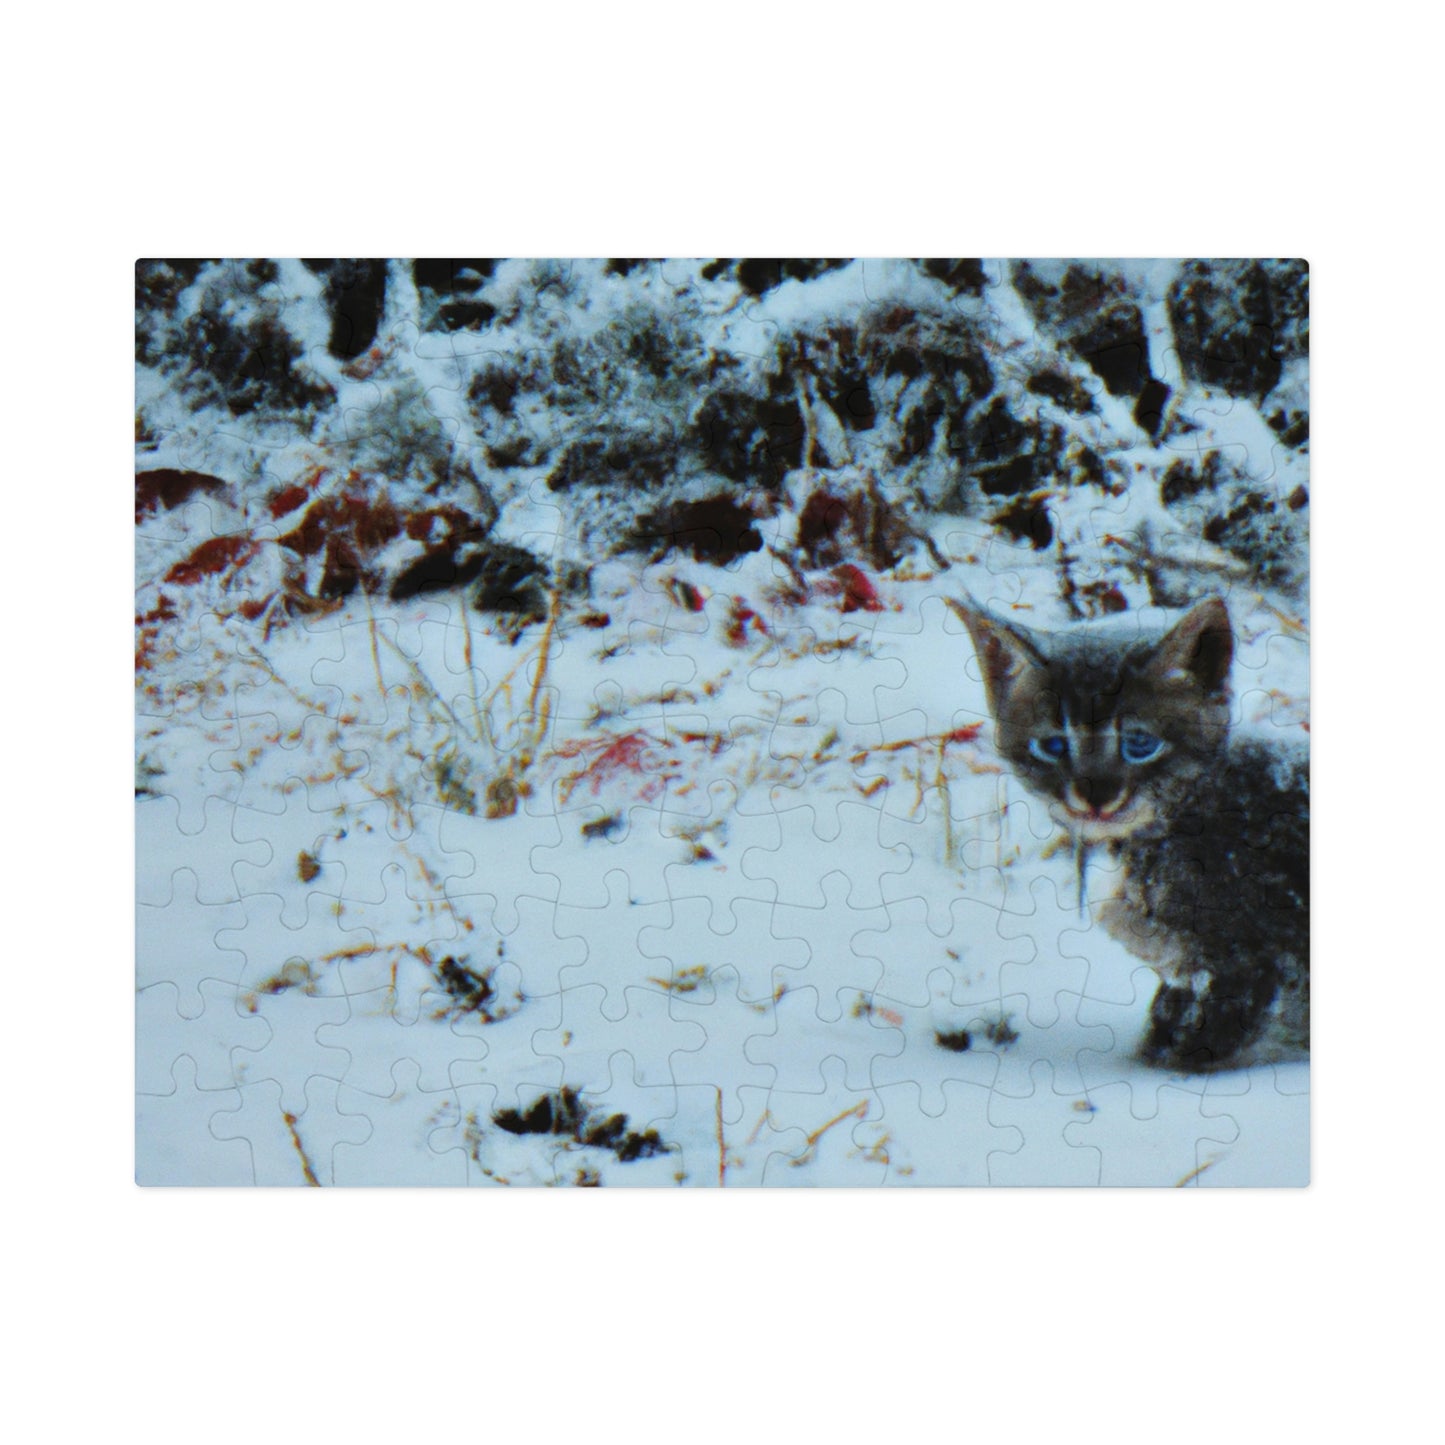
(564, 1115)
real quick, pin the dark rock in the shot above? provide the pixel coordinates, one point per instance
(919, 425)
(436, 570)
(467, 315)
(1251, 504)
(1008, 478)
(965, 363)
(648, 349)
(1027, 520)
(1292, 427)
(1065, 390)
(635, 459)
(1184, 478)
(246, 366)
(907, 364)
(158, 284)
(511, 579)
(966, 276)
(747, 438)
(514, 451)
(1236, 514)
(451, 277)
(846, 391)
(1115, 347)
(499, 383)
(1149, 409)
(778, 444)
(1007, 456)
(716, 529)
(449, 293)
(1087, 467)
(759, 277)
(1095, 317)
(1236, 323)
(497, 386)
(341, 570)
(355, 297)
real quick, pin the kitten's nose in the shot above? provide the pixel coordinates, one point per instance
(1100, 796)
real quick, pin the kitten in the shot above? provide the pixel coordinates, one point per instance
(1127, 738)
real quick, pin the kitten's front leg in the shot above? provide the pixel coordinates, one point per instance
(1196, 1023)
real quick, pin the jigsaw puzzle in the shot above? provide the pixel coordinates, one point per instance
(722, 723)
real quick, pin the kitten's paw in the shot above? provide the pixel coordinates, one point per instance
(1172, 1039)
(1194, 1028)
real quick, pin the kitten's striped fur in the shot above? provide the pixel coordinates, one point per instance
(1213, 833)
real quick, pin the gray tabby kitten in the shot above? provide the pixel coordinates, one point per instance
(1127, 738)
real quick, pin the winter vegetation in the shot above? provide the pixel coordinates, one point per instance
(556, 759)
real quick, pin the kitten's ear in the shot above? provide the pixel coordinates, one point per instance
(1201, 644)
(1003, 651)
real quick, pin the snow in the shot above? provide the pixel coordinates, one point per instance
(754, 871)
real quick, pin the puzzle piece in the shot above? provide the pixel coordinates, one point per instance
(398, 1148)
(732, 722)
(174, 1143)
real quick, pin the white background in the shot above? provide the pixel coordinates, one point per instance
(743, 129)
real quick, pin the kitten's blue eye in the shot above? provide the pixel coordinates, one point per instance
(1137, 746)
(1050, 749)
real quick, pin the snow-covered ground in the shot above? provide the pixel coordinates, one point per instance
(689, 861)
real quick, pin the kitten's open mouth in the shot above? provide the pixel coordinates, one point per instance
(1099, 815)
(1098, 825)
